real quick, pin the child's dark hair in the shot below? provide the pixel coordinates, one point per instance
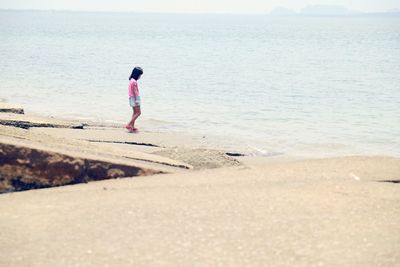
(136, 72)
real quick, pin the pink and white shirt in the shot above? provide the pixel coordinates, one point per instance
(133, 88)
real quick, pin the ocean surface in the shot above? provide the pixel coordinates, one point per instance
(296, 86)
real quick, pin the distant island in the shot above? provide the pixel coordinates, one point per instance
(328, 10)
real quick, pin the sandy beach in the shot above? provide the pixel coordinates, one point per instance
(85, 194)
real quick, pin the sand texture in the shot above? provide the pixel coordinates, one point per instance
(189, 204)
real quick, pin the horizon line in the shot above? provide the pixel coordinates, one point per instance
(358, 13)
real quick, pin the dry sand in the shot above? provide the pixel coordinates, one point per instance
(220, 211)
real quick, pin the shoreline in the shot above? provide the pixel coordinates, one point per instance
(108, 144)
(238, 145)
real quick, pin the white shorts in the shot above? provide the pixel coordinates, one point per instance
(134, 101)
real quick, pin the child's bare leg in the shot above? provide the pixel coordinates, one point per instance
(135, 115)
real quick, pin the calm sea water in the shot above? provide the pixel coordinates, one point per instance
(299, 86)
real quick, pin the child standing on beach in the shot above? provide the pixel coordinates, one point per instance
(134, 98)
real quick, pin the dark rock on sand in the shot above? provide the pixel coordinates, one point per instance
(234, 154)
(23, 168)
(25, 122)
(28, 124)
(5, 108)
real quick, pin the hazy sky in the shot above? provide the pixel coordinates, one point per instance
(229, 6)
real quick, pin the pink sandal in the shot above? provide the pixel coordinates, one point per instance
(131, 129)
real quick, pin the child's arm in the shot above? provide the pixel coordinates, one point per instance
(135, 91)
